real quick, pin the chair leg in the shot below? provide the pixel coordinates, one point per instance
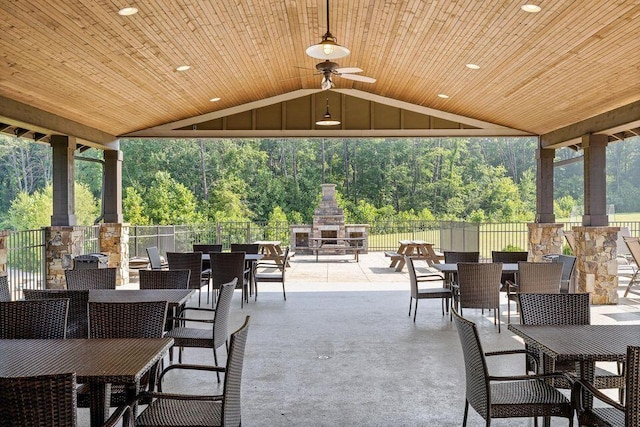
(631, 282)
(199, 295)
(466, 412)
(284, 294)
(215, 362)
(442, 305)
(410, 304)
(415, 310)
(494, 316)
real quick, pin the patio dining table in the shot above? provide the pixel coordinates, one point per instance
(583, 344)
(97, 362)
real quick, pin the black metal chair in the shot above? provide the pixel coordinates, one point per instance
(191, 261)
(568, 266)
(227, 266)
(36, 319)
(44, 400)
(272, 272)
(425, 293)
(155, 261)
(5, 294)
(168, 410)
(77, 320)
(94, 278)
(505, 396)
(614, 414)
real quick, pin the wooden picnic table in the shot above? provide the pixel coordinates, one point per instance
(272, 250)
(334, 245)
(416, 249)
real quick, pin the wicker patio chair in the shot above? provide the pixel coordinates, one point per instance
(633, 243)
(155, 261)
(505, 396)
(454, 257)
(205, 248)
(5, 295)
(94, 278)
(77, 320)
(164, 279)
(248, 248)
(37, 319)
(565, 309)
(191, 261)
(479, 287)
(425, 293)
(534, 278)
(272, 272)
(227, 266)
(44, 400)
(507, 257)
(614, 414)
(125, 320)
(191, 410)
(568, 266)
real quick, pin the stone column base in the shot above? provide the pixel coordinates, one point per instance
(596, 265)
(63, 243)
(114, 242)
(544, 239)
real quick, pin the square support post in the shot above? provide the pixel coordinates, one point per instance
(113, 186)
(64, 200)
(544, 185)
(595, 180)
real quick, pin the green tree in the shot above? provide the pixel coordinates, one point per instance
(133, 207)
(170, 202)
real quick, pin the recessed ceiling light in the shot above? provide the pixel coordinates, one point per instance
(183, 68)
(443, 96)
(531, 8)
(216, 99)
(128, 11)
(473, 66)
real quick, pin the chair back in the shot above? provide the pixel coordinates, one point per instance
(94, 278)
(285, 261)
(478, 392)
(479, 284)
(633, 243)
(127, 319)
(568, 265)
(36, 319)
(571, 240)
(554, 309)
(205, 248)
(507, 257)
(454, 257)
(154, 258)
(164, 279)
(413, 279)
(5, 295)
(44, 400)
(191, 261)
(539, 277)
(248, 248)
(632, 393)
(226, 266)
(622, 249)
(231, 406)
(221, 317)
(77, 320)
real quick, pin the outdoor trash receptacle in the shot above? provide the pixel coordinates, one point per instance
(87, 261)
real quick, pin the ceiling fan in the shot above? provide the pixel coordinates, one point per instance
(330, 69)
(329, 49)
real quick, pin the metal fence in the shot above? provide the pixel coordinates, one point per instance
(26, 249)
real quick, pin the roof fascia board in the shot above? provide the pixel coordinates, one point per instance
(23, 115)
(610, 122)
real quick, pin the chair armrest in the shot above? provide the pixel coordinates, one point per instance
(576, 396)
(186, 366)
(433, 277)
(116, 417)
(198, 309)
(147, 396)
(534, 356)
(533, 377)
(188, 319)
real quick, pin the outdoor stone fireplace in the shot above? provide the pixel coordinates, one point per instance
(328, 223)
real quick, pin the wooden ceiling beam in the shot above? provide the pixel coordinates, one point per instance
(612, 122)
(25, 116)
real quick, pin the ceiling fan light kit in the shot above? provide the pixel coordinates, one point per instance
(328, 48)
(326, 119)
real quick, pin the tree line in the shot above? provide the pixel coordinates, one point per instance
(173, 181)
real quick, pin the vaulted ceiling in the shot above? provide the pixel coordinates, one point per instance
(82, 69)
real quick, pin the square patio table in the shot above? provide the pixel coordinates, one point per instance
(97, 362)
(584, 344)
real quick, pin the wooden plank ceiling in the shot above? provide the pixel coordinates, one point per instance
(82, 63)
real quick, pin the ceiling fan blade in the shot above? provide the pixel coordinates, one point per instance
(348, 70)
(358, 78)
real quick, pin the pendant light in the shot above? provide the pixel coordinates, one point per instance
(328, 48)
(326, 119)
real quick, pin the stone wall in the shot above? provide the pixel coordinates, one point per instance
(63, 243)
(544, 239)
(114, 242)
(596, 265)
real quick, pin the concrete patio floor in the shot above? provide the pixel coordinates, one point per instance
(342, 350)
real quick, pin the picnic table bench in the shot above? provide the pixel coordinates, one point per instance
(416, 249)
(337, 246)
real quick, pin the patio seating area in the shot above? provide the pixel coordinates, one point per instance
(341, 350)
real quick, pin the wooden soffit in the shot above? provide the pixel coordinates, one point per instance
(294, 114)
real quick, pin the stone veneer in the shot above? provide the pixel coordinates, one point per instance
(596, 265)
(4, 235)
(544, 239)
(114, 242)
(63, 243)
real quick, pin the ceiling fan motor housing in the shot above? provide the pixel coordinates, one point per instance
(326, 66)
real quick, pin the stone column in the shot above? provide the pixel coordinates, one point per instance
(4, 237)
(63, 243)
(544, 239)
(596, 265)
(114, 242)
